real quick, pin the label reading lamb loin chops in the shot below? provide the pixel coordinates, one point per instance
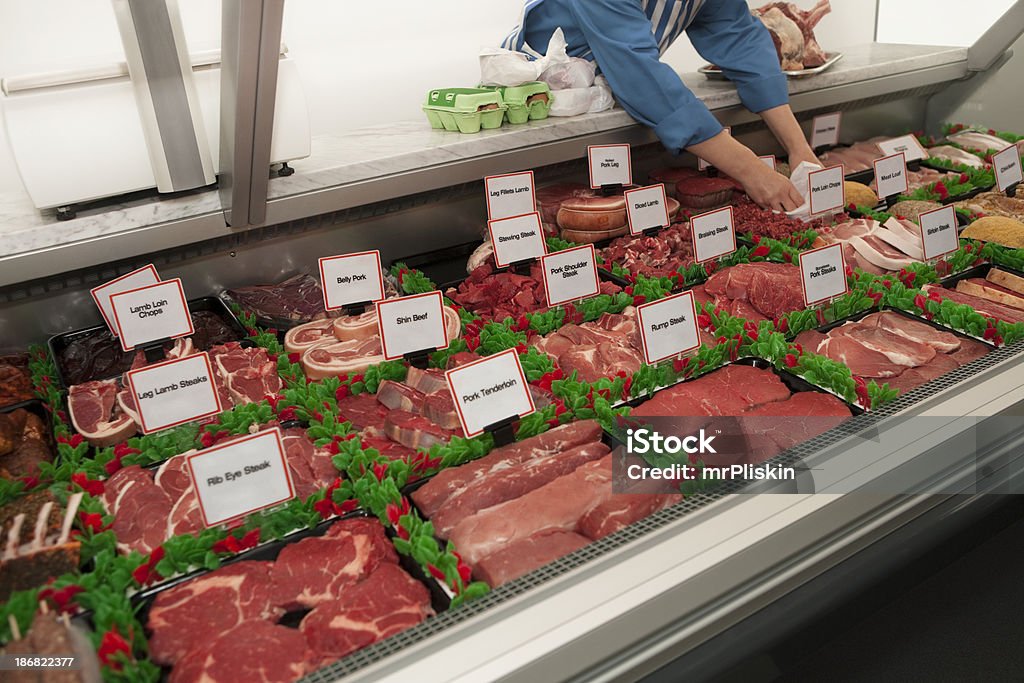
(174, 392)
(1007, 167)
(511, 194)
(351, 279)
(609, 165)
(826, 190)
(518, 238)
(570, 275)
(241, 476)
(151, 313)
(412, 323)
(891, 174)
(823, 274)
(907, 144)
(668, 327)
(938, 232)
(489, 390)
(825, 130)
(713, 234)
(647, 208)
(133, 280)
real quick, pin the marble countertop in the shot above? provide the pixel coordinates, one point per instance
(368, 153)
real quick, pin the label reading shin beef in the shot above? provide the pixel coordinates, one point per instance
(351, 279)
(938, 232)
(1006, 165)
(826, 190)
(174, 392)
(151, 313)
(825, 129)
(647, 208)
(133, 280)
(570, 275)
(241, 476)
(891, 174)
(411, 323)
(668, 327)
(713, 234)
(823, 274)
(517, 238)
(490, 390)
(609, 165)
(511, 194)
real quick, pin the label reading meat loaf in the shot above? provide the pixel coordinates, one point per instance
(411, 323)
(151, 313)
(174, 392)
(570, 275)
(646, 208)
(519, 238)
(490, 390)
(713, 234)
(609, 165)
(351, 279)
(668, 327)
(1007, 167)
(891, 175)
(938, 232)
(825, 130)
(823, 274)
(511, 194)
(827, 192)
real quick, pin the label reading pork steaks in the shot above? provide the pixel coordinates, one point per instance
(173, 392)
(133, 280)
(351, 279)
(825, 129)
(826, 190)
(891, 174)
(489, 390)
(823, 274)
(713, 234)
(411, 323)
(570, 275)
(647, 208)
(518, 238)
(938, 232)
(703, 165)
(668, 327)
(907, 144)
(241, 476)
(151, 313)
(1007, 167)
(609, 165)
(511, 194)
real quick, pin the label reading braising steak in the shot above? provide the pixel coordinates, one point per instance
(570, 275)
(825, 130)
(938, 232)
(511, 194)
(646, 208)
(351, 279)
(490, 390)
(133, 280)
(668, 327)
(907, 144)
(518, 238)
(1006, 165)
(411, 323)
(827, 192)
(151, 313)
(174, 392)
(891, 175)
(609, 165)
(823, 274)
(713, 234)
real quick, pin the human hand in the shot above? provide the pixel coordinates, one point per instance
(769, 189)
(804, 153)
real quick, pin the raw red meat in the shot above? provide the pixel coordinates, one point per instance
(439, 408)
(731, 390)
(621, 510)
(861, 360)
(703, 194)
(792, 30)
(431, 380)
(659, 255)
(398, 396)
(810, 340)
(140, 511)
(915, 377)
(942, 342)
(897, 348)
(96, 416)
(550, 198)
(388, 448)
(969, 350)
(462, 358)
(363, 410)
(524, 556)
(254, 651)
(985, 307)
(414, 431)
(297, 298)
(500, 295)
(771, 288)
(311, 468)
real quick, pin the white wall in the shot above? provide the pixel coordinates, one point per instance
(937, 22)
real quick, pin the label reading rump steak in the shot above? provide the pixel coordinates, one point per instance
(826, 190)
(489, 390)
(938, 232)
(412, 323)
(609, 165)
(570, 275)
(823, 274)
(825, 130)
(142, 277)
(511, 194)
(517, 238)
(174, 392)
(1007, 167)
(891, 175)
(351, 279)
(647, 208)
(713, 234)
(668, 327)
(151, 313)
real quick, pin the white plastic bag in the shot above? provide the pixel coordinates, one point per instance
(571, 102)
(507, 68)
(601, 96)
(799, 178)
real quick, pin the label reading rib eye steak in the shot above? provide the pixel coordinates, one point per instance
(570, 275)
(1007, 167)
(713, 234)
(241, 476)
(938, 232)
(151, 313)
(826, 190)
(907, 144)
(174, 392)
(511, 194)
(133, 280)
(891, 175)
(518, 238)
(609, 165)
(704, 165)
(411, 323)
(823, 274)
(668, 327)
(825, 130)
(646, 208)
(351, 279)
(490, 390)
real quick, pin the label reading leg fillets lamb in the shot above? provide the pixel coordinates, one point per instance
(173, 392)
(570, 275)
(489, 391)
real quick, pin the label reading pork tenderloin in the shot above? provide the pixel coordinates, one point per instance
(713, 234)
(646, 208)
(827, 192)
(151, 313)
(609, 165)
(891, 175)
(411, 323)
(823, 274)
(518, 238)
(351, 279)
(174, 392)
(1007, 167)
(570, 275)
(490, 390)
(825, 130)
(511, 194)
(668, 327)
(938, 232)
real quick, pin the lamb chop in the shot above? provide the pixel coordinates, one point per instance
(792, 30)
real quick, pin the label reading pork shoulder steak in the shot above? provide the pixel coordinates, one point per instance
(823, 274)
(646, 208)
(713, 234)
(490, 390)
(351, 279)
(938, 232)
(174, 392)
(1007, 167)
(891, 174)
(151, 313)
(609, 165)
(825, 130)
(146, 275)
(517, 238)
(668, 327)
(411, 323)
(907, 144)
(826, 190)
(511, 194)
(241, 476)
(570, 275)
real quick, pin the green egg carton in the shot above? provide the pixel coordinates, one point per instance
(466, 110)
(520, 109)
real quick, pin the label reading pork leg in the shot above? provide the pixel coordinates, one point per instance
(489, 390)
(411, 323)
(609, 165)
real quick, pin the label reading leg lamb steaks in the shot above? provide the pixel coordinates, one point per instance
(151, 313)
(412, 323)
(174, 392)
(823, 274)
(668, 327)
(570, 275)
(490, 390)
(351, 279)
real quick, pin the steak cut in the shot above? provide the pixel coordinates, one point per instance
(362, 326)
(915, 377)
(989, 309)
(621, 510)
(969, 350)
(414, 431)
(254, 651)
(398, 396)
(336, 358)
(897, 348)
(301, 338)
(96, 415)
(860, 359)
(942, 342)
(431, 380)
(140, 509)
(363, 410)
(524, 556)
(311, 468)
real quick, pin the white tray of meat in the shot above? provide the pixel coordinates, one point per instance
(715, 73)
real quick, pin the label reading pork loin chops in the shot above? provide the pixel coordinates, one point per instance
(133, 280)
(891, 174)
(351, 279)
(511, 194)
(825, 130)
(490, 390)
(411, 323)
(570, 275)
(938, 232)
(823, 274)
(907, 144)
(518, 238)
(609, 165)
(241, 476)
(668, 327)
(826, 189)
(713, 234)
(151, 313)
(646, 208)
(1007, 167)
(174, 392)
(703, 165)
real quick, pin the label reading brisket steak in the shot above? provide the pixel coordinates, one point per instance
(1006, 165)
(647, 208)
(241, 476)
(351, 279)
(570, 275)
(609, 165)
(823, 274)
(938, 232)
(891, 174)
(151, 313)
(825, 130)
(489, 390)
(174, 392)
(826, 190)
(518, 238)
(713, 234)
(411, 323)
(668, 327)
(511, 194)
(133, 280)
(907, 144)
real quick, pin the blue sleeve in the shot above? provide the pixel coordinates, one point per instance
(726, 34)
(620, 36)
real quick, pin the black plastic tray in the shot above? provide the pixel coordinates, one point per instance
(981, 271)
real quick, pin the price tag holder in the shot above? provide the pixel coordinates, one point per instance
(411, 324)
(713, 234)
(668, 327)
(610, 166)
(510, 194)
(647, 209)
(570, 275)
(769, 161)
(490, 387)
(823, 274)
(703, 165)
(907, 144)
(1006, 165)
(825, 130)
(151, 313)
(240, 477)
(826, 190)
(939, 232)
(891, 176)
(517, 239)
(174, 392)
(142, 277)
(351, 279)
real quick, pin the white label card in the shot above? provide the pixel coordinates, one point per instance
(609, 165)
(490, 390)
(938, 232)
(825, 130)
(823, 274)
(240, 476)
(174, 392)
(351, 279)
(647, 208)
(891, 175)
(907, 144)
(1006, 165)
(512, 194)
(518, 238)
(713, 234)
(769, 161)
(570, 275)
(668, 327)
(151, 313)
(133, 280)
(703, 165)
(411, 323)
(826, 189)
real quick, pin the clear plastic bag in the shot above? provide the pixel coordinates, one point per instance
(507, 68)
(601, 96)
(576, 73)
